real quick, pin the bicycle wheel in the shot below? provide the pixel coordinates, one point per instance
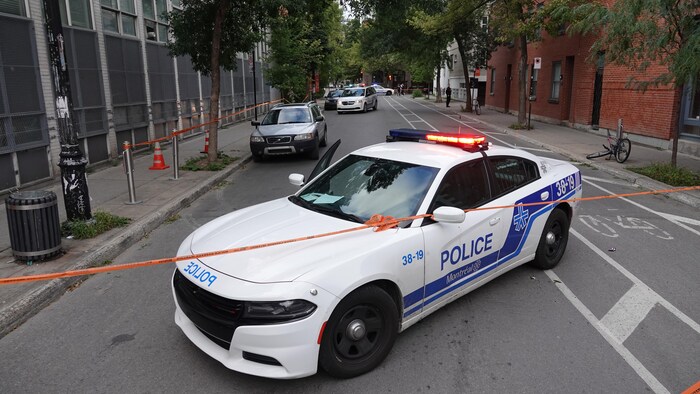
(602, 153)
(624, 147)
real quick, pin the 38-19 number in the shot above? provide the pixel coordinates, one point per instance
(565, 185)
(408, 259)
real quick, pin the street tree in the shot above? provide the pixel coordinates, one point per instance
(303, 38)
(211, 33)
(639, 34)
(461, 21)
(519, 22)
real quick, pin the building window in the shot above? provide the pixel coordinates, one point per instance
(533, 81)
(556, 80)
(76, 13)
(154, 15)
(119, 16)
(493, 81)
(14, 7)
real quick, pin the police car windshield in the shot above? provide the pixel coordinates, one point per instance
(287, 115)
(360, 187)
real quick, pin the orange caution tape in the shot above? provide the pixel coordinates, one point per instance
(182, 131)
(378, 222)
(694, 389)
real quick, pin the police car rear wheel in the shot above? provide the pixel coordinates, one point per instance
(553, 240)
(359, 333)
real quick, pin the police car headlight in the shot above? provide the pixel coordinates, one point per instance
(256, 138)
(278, 310)
(304, 137)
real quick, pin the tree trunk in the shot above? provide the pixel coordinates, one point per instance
(522, 81)
(221, 12)
(465, 68)
(438, 93)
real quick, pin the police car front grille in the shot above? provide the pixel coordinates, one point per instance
(215, 316)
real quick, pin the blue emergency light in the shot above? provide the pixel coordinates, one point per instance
(468, 142)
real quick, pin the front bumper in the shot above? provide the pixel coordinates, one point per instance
(281, 351)
(356, 106)
(285, 148)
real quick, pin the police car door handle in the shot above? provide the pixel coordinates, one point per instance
(494, 221)
(544, 196)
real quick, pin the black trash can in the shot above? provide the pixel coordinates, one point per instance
(35, 230)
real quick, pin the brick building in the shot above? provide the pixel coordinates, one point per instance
(570, 89)
(124, 85)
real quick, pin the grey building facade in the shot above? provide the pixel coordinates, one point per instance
(124, 85)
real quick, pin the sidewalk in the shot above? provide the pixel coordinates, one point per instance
(160, 197)
(576, 144)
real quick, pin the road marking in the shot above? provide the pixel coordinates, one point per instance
(631, 360)
(663, 215)
(410, 123)
(471, 127)
(601, 180)
(662, 301)
(624, 317)
(672, 217)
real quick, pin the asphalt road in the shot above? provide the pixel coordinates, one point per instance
(619, 314)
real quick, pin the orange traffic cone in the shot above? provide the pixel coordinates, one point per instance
(206, 143)
(158, 161)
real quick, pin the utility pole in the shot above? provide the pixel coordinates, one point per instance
(71, 160)
(255, 88)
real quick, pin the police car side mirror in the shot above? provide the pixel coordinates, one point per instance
(254, 123)
(449, 215)
(296, 179)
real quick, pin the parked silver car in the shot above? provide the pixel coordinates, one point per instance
(289, 129)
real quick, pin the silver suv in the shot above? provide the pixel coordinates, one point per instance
(289, 129)
(357, 99)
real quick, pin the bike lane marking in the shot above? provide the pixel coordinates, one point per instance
(629, 312)
(631, 360)
(669, 217)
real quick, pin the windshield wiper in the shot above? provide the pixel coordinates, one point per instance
(324, 209)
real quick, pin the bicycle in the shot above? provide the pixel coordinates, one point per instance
(476, 108)
(619, 147)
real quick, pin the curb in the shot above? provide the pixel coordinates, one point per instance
(32, 303)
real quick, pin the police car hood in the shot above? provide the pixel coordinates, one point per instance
(286, 129)
(273, 221)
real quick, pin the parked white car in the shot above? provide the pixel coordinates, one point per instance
(339, 302)
(357, 99)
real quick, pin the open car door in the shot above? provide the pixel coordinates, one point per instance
(324, 162)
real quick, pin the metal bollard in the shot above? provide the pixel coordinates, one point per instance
(176, 158)
(129, 169)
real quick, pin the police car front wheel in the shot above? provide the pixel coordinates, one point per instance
(553, 240)
(359, 333)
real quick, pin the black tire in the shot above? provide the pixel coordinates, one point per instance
(375, 105)
(324, 141)
(553, 241)
(599, 154)
(371, 308)
(257, 158)
(364, 107)
(623, 150)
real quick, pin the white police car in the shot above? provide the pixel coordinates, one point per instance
(339, 302)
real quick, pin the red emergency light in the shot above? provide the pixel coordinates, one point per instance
(468, 142)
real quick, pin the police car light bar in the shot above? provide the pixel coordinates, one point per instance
(468, 142)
